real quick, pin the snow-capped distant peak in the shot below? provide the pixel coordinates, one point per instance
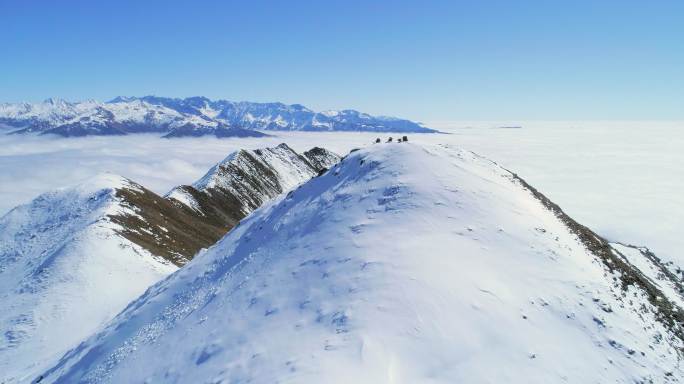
(193, 116)
(330, 113)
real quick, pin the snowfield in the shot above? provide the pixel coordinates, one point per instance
(404, 263)
(64, 272)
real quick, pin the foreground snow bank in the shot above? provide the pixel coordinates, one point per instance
(403, 263)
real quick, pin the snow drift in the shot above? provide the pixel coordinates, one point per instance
(400, 264)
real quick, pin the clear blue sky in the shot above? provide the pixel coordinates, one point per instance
(424, 60)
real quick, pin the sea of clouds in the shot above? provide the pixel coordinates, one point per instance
(624, 180)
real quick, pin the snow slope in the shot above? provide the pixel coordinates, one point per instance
(401, 264)
(71, 259)
(64, 271)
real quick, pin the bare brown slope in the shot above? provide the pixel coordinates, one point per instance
(171, 231)
(168, 228)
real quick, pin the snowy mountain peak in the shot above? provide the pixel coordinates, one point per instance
(321, 158)
(122, 99)
(402, 263)
(55, 101)
(64, 271)
(280, 158)
(246, 179)
(103, 181)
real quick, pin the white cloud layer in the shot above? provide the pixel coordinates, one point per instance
(623, 180)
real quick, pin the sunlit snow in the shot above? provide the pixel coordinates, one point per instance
(404, 263)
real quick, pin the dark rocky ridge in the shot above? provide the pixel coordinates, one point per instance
(674, 276)
(321, 158)
(176, 231)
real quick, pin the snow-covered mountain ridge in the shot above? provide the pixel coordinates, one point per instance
(248, 178)
(71, 259)
(64, 272)
(402, 263)
(194, 116)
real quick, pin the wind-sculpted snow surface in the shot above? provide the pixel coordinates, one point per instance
(64, 272)
(400, 264)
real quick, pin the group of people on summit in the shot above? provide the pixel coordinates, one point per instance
(389, 140)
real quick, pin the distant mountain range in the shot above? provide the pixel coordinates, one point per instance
(193, 116)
